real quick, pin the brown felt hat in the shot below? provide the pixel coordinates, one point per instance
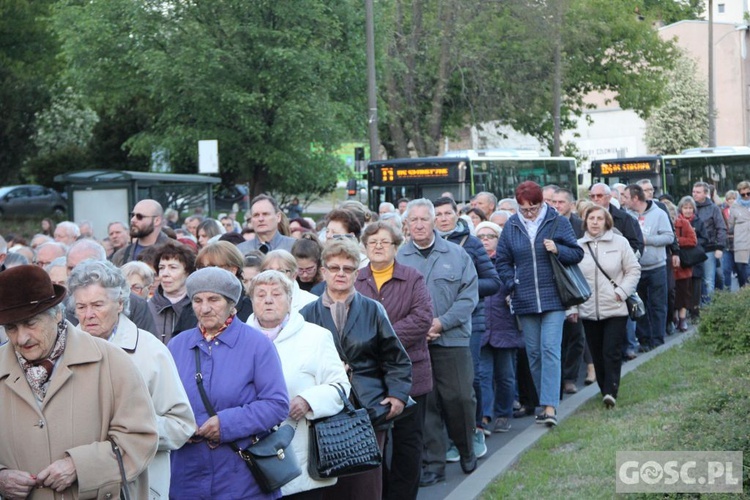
(26, 291)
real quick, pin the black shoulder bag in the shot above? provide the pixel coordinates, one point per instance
(636, 307)
(572, 287)
(267, 458)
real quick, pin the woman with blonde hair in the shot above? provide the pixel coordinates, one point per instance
(227, 256)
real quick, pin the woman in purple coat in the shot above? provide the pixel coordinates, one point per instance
(403, 292)
(244, 382)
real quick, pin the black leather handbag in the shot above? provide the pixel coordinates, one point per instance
(269, 458)
(343, 444)
(572, 286)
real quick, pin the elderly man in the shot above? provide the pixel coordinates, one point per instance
(508, 205)
(452, 281)
(652, 287)
(486, 202)
(86, 229)
(48, 252)
(601, 194)
(500, 217)
(386, 208)
(118, 235)
(145, 228)
(716, 229)
(67, 232)
(138, 312)
(265, 216)
(68, 399)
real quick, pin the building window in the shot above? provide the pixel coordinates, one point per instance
(721, 8)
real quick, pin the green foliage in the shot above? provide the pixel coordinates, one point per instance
(671, 11)
(725, 323)
(682, 121)
(28, 68)
(267, 79)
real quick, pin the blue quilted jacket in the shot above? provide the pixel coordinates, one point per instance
(525, 270)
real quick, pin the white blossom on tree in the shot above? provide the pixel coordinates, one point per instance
(682, 121)
(66, 123)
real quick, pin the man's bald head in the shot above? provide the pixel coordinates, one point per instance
(84, 250)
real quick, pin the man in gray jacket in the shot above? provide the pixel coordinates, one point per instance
(652, 287)
(452, 280)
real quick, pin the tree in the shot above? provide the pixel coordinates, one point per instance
(671, 11)
(449, 63)
(682, 122)
(275, 82)
(28, 69)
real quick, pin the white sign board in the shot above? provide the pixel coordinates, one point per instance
(208, 157)
(100, 207)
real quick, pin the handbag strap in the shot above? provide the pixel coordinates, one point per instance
(209, 407)
(600, 267)
(124, 491)
(348, 406)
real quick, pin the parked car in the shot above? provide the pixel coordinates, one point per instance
(225, 198)
(30, 199)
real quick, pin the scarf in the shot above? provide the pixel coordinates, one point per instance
(39, 372)
(271, 333)
(210, 336)
(745, 203)
(339, 310)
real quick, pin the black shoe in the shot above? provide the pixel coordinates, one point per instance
(469, 465)
(523, 412)
(546, 419)
(430, 478)
(644, 348)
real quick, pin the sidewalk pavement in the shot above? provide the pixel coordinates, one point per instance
(503, 453)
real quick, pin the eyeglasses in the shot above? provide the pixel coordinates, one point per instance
(137, 288)
(490, 236)
(140, 216)
(337, 269)
(347, 236)
(745, 195)
(530, 210)
(375, 244)
(307, 270)
(596, 196)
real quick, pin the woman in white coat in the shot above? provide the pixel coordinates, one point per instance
(310, 363)
(99, 295)
(605, 314)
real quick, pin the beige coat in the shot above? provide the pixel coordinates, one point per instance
(739, 225)
(174, 416)
(95, 393)
(617, 258)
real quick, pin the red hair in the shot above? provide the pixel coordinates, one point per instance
(530, 192)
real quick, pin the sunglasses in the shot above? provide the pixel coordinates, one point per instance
(140, 216)
(745, 195)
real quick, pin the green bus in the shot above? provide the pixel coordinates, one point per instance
(466, 173)
(723, 167)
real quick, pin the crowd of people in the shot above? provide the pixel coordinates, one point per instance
(442, 320)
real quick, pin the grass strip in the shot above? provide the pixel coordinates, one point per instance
(684, 399)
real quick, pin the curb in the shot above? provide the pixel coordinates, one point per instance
(499, 462)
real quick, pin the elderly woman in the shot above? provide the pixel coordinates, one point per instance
(140, 276)
(58, 271)
(605, 314)
(500, 343)
(170, 305)
(100, 296)
(226, 256)
(404, 295)
(523, 263)
(64, 395)
(243, 379)
(310, 363)
(738, 225)
(380, 368)
(284, 262)
(686, 238)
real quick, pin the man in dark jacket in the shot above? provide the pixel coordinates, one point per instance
(573, 338)
(145, 229)
(716, 229)
(601, 194)
(456, 230)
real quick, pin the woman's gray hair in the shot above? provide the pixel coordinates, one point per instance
(57, 308)
(272, 277)
(104, 274)
(282, 255)
(687, 200)
(140, 269)
(58, 262)
(420, 202)
(394, 219)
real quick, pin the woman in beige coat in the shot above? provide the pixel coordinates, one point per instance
(64, 395)
(605, 314)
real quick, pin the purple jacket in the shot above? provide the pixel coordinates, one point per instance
(501, 329)
(407, 301)
(243, 379)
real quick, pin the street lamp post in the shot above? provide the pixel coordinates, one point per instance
(372, 96)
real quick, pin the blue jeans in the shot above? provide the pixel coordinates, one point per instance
(709, 277)
(630, 343)
(543, 336)
(498, 370)
(475, 346)
(652, 288)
